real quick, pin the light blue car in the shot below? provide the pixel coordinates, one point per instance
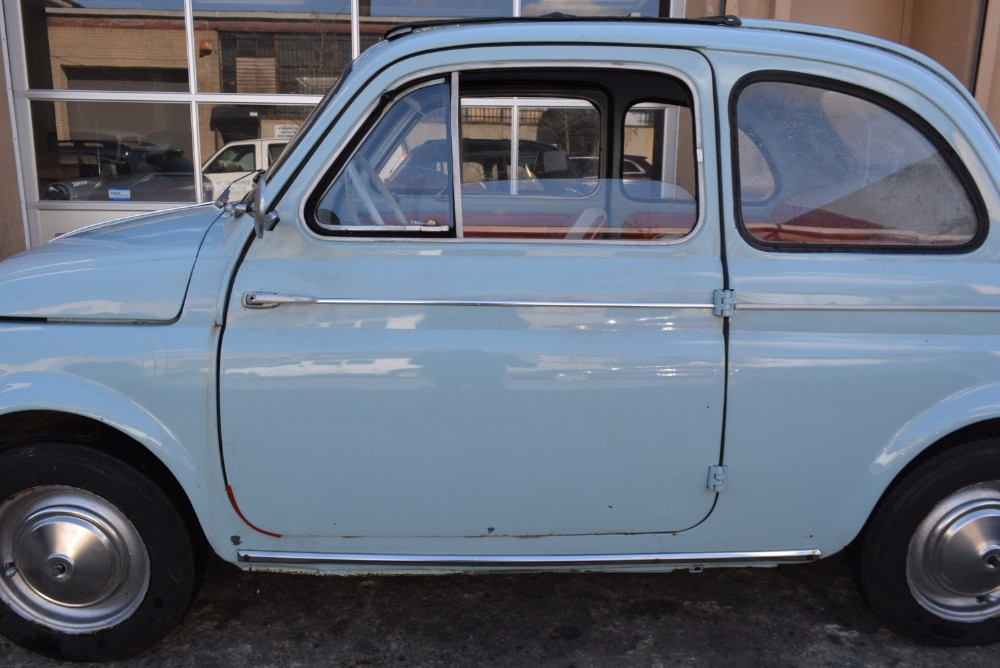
(430, 345)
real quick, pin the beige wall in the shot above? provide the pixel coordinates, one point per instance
(11, 219)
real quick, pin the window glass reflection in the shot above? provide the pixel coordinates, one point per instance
(237, 139)
(122, 45)
(248, 46)
(377, 16)
(649, 8)
(113, 152)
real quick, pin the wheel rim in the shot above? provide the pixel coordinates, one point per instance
(953, 563)
(71, 560)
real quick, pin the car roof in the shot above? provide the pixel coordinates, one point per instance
(725, 33)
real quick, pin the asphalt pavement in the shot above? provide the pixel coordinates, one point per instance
(807, 615)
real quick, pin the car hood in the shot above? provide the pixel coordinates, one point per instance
(135, 269)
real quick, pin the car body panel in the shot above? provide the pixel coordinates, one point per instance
(894, 374)
(152, 382)
(134, 269)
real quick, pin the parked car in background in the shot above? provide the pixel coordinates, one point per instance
(124, 172)
(429, 344)
(236, 160)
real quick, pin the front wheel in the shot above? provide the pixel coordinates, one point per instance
(930, 558)
(97, 562)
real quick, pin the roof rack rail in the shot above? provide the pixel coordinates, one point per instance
(404, 29)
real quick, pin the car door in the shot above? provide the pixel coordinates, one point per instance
(864, 285)
(391, 367)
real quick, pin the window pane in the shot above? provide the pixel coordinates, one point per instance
(301, 47)
(378, 16)
(239, 138)
(113, 151)
(401, 174)
(659, 172)
(543, 178)
(508, 166)
(846, 171)
(95, 45)
(649, 8)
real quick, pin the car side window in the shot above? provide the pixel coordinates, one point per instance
(841, 169)
(274, 150)
(398, 180)
(238, 158)
(659, 172)
(518, 178)
(576, 155)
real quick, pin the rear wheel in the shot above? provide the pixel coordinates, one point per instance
(930, 559)
(97, 562)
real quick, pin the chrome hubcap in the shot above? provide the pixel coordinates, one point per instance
(71, 560)
(953, 563)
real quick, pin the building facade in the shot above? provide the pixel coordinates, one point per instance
(115, 107)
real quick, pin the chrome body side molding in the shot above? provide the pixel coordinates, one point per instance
(261, 300)
(891, 308)
(514, 562)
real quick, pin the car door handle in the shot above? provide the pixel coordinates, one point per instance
(273, 300)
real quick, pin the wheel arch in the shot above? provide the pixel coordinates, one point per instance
(24, 426)
(964, 418)
(58, 404)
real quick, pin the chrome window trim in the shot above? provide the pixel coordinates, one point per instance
(526, 561)
(400, 83)
(455, 136)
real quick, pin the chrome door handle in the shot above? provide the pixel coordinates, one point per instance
(272, 300)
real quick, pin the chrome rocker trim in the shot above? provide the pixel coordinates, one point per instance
(526, 561)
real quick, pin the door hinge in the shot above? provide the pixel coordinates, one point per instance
(717, 478)
(725, 303)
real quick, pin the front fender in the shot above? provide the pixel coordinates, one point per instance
(64, 393)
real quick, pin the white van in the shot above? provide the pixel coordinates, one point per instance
(237, 159)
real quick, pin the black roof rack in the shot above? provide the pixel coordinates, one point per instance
(419, 26)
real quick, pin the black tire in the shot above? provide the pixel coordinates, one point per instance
(923, 576)
(148, 576)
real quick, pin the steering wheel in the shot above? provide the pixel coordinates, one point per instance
(383, 190)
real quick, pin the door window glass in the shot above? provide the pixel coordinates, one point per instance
(659, 172)
(539, 156)
(399, 178)
(827, 168)
(517, 151)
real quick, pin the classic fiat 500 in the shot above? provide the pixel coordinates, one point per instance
(427, 342)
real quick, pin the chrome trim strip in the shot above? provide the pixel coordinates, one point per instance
(455, 137)
(526, 561)
(261, 300)
(758, 306)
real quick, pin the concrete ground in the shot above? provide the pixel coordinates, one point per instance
(808, 615)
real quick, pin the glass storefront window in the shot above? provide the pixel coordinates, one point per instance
(119, 45)
(237, 139)
(297, 47)
(648, 8)
(377, 16)
(113, 152)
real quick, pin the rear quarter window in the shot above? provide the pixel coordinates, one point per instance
(822, 165)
